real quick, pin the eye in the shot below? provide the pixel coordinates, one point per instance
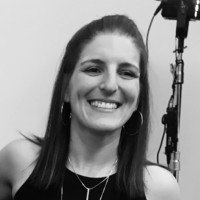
(92, 70)
(128, 74)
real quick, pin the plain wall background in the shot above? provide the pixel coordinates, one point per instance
(33, 36)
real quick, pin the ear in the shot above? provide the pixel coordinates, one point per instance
(67, 91)
(67, 96)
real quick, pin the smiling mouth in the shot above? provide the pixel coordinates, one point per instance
(104, 104)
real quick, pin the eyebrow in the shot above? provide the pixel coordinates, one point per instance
(96, 61)
(127, 64)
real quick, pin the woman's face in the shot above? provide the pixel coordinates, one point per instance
(104, 87)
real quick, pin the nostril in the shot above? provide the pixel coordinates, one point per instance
(109, 87)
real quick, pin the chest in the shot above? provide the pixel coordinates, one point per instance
(74, 189)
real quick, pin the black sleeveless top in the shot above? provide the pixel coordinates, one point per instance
(73, 190)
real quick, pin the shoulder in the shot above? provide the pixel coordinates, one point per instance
(16, 156)
(15, 159)
(160, 184)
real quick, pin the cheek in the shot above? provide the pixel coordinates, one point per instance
(84, 86)
(132, 91)
(78, 90)
(75, 86)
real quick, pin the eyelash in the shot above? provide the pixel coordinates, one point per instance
(93, 70)
(126, 74)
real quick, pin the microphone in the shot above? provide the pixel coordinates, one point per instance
(170, 9)
(183, 11)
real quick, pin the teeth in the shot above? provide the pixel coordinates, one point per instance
(106, 105)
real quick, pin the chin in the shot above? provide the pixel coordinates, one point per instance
(106, 127)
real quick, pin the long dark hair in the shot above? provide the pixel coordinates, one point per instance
(50, 164)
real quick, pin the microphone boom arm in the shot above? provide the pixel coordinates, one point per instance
(172, 118)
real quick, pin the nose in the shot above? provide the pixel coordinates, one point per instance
(109, 83)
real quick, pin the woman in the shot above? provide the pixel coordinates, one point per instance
(97, 133)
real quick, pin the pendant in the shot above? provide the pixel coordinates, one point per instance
(88, 193)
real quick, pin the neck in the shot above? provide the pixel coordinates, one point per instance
(93, 154)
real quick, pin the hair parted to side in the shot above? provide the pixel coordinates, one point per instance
(50, 165)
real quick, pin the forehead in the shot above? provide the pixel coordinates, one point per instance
(113, 45)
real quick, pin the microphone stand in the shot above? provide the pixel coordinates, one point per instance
(172, 118)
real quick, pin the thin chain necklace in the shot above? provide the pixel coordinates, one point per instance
(106, 179)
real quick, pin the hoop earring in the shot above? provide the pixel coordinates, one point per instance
(133, 125)
(65, 112)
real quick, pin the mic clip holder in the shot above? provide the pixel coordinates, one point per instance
(170, 121)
